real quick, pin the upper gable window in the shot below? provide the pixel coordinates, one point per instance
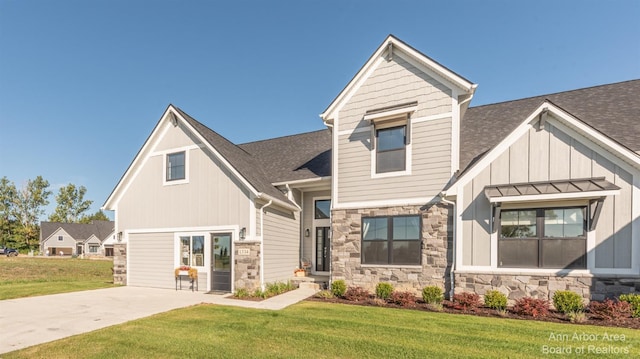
(391, 149)
(391, 139)
(176, 166)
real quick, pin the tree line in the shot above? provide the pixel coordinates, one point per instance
(21, 209)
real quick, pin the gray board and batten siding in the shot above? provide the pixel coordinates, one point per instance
(547, 155)
(213, 195)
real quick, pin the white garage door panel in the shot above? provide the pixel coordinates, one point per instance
(151, 260)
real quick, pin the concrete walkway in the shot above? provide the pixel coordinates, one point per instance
(30, 321)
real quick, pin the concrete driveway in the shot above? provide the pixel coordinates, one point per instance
(30, 321)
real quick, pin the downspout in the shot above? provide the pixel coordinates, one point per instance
(262, 243)
(453, 261)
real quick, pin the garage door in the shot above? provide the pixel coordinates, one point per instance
(151, 262)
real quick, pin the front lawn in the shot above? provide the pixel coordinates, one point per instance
(32, 276)
(325, 330)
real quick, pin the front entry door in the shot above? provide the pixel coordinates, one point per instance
(221, 262)
(323, 249)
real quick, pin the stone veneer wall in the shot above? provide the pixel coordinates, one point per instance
(544, 286)
(437, 240)
(120, 263)
(247, 266)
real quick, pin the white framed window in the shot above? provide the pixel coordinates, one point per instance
(191, 250)
(391, 149)
(93, 248)
(176, 167)
(60, 238)
(391, 140)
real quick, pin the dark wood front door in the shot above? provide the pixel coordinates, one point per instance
(323, 249)
(221, 262)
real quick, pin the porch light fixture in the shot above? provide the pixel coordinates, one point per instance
(243, 233)
(307, 232)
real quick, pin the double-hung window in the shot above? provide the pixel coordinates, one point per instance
(192, 251)
(391, 149)
(176, 166)
(543, 238)
(392, 240)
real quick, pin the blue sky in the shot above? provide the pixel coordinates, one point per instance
(82, 83)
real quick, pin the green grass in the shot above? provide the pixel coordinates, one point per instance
(323, 330)
(32, 276)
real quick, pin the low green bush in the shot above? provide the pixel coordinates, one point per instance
(384, 290)
(324, 294)
(567, 302)
(338, 288)
(634, 301)
(495, 300)
(241, 293)
(432, 294)
(259, 293)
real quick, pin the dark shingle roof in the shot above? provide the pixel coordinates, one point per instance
(296, 157)
(613, 109)
(251, 167)
(79, 231)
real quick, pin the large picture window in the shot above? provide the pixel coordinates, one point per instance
(543, 238)
(391, 240)
(176, 166)
(192, 251)
(391, 149)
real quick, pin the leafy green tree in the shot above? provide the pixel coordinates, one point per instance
(71, 204)
(8, 194)
(28, 207)
(98, 216)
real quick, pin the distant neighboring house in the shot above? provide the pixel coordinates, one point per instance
(91, 239)
(408, 185)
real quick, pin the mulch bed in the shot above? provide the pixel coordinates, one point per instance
(555, 317)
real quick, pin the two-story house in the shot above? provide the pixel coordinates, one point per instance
(407, 185)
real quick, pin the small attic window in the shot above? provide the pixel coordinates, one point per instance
(176, 168)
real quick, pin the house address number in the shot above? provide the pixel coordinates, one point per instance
(243, 251)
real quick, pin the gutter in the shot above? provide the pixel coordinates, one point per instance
(453, 260)
(262, 243)
(292, 206)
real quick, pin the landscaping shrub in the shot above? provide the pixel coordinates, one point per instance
(357, 294)
(634, 301)
(403, 299)
(432, 295)
(241, 293)
(338, 288)
(466, 301)
(567, 302)
(532, 307)
(324, 294)
(384, 290)
(276, 288)
(495, 300)
(259, 293)
(610, 309)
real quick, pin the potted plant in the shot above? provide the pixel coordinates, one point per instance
(299, 272)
